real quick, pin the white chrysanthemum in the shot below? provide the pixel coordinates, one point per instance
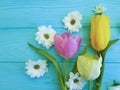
(72, 21)
(36, 68)
(99, 9)
(45, 36)
(75, 82)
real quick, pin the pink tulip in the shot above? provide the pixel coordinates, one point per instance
(66, 45)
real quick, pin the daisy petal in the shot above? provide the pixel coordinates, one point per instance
(75, 82)
(72, 21)
(45, 36)
(36, 68)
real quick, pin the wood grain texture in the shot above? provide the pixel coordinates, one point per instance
(13, 77)
(39, 12)
(19, 20)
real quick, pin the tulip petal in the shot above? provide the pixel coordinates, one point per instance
(65, 45)
(69, 46)
(78, 40)
(57, 42)
(65, 35)
(89, 66)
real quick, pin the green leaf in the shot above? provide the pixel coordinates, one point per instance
(98, 81)
(85, 49)
(116, 83)
(109, 45)
(52, 59)
(82, 53)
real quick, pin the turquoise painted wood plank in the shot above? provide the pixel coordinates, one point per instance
(18, 23)
(13, 77)
(36, 12)
(14, 48)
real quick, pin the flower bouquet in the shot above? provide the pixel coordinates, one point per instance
(88, 66)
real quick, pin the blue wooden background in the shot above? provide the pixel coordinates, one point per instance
(19, 20)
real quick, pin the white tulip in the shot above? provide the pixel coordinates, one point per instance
(89, 66)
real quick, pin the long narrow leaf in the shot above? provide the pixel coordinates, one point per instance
(109, 45)
(98, 81)
(52, 59)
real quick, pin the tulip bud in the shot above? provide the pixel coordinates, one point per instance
(100, 32)
(89, 66)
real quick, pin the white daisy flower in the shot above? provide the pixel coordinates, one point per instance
(45, 36)
(75, 82)
(99, 9)
(72, 21)
(36, 68)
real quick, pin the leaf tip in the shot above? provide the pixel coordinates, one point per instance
(29, 44)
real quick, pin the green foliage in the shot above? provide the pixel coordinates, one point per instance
(98, 81)
(54, 61)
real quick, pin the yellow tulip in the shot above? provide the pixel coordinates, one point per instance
(100, 32)
(89, 66)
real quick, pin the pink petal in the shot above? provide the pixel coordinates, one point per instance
(64, 35)
(67, 46)
(57, 42)
(78, 41)
(70, 47)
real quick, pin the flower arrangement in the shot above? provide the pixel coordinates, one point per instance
(88, 66)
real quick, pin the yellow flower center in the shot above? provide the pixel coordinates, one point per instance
(76, 80)
(46, 36)
(36, 66)
(72, 21)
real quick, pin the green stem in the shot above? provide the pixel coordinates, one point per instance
(66, 72)
(98, 81)
(89, 85)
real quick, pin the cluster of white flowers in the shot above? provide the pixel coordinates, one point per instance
(45, 36)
